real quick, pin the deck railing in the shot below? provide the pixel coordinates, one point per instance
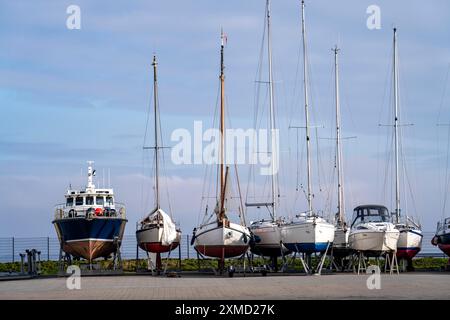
(63, 211)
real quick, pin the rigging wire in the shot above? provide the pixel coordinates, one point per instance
(446, 177)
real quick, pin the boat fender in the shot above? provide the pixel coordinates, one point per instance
(193, 239)
(255, 239)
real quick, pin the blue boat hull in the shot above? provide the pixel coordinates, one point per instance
(90, 238)
(307, 247)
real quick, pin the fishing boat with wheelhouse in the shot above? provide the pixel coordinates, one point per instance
(90, 224)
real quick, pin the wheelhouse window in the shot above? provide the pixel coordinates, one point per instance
(69, 202)
(89, 201)
(79, 201)
(109, 201)
(99, 200)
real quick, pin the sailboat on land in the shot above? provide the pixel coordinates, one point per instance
(308, 232)
(157, 232)
(217, 236)
(372, 231)
(410, 240)
(267, 233)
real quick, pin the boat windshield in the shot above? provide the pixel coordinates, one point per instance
(370, 214)
(69, 202)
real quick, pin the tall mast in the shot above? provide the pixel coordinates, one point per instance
(271, 110)
(155, 102)
(341, 207)
(308, 144)
(397, 180)
(222, 129)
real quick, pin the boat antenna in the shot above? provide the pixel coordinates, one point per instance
(308, 142)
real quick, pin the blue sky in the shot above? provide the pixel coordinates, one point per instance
(68, 96)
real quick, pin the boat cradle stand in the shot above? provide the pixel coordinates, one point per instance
(270, 262)
(240, 265)
(157, 265)
(340, 262)
(306, 261)
(359, 262)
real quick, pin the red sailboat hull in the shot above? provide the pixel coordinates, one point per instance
(158, 247)
(407, 253)
(220, 251)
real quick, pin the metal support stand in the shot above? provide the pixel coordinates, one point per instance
(362, 265)
(150, 264)
(117, 260)
(306, 266)
(64, 260)
(22, 257)
(179, 254)
(137, 257)
(287, 262)
(201, 258)
(322, 260)
(391, 263)
(38, 263)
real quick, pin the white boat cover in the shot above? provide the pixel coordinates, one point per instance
(169, 233)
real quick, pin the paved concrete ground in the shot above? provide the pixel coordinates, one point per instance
(334, 286)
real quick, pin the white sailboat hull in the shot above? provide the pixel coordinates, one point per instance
(409, 243)
(308, 236)
(267, 235)
(222, 241)
(152, 240)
